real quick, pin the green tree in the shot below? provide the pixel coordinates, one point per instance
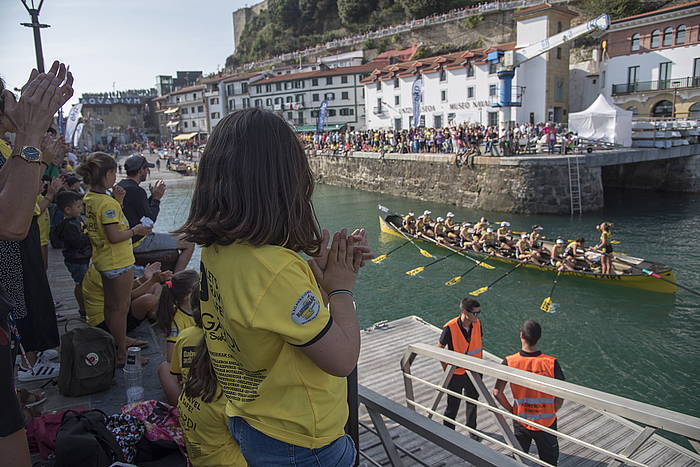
(284, 12)
(615, 8)
(354, 11)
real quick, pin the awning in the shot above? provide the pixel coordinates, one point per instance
(172, 124)
(172, 111)
(305, 128)
(334, 127)
(184, 136)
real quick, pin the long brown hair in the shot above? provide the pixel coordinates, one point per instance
(95, 168)
(201, 380)
(254, 185)
(171, 295)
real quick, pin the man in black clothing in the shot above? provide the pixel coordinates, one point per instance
(138, 205)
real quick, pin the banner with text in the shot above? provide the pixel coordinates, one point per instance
(416, 92)
(72, 123)
(322, 114)
(78, 132)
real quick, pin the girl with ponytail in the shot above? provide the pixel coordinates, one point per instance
(174, 313)
(110, 237)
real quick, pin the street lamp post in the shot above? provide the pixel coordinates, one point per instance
(36, 26)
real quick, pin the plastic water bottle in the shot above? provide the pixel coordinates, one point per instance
(133, 375)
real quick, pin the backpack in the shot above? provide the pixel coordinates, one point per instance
(42, 431)
(83, 440)
(88, 357)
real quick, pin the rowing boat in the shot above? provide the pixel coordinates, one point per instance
(628, 268)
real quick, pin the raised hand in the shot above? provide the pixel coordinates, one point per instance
(158, 190)
(54, 187)
(118, 193)
(150, 270)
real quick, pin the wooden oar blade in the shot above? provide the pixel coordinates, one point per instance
(379, 259)
(546, 304)
(453, 281)
(413, 272)
(426, 253)
(477, 292)
(615, 242)
(485, 265)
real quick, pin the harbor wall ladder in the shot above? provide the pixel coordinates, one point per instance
(574, 184)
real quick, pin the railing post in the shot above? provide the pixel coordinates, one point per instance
(385, 436)
(406, 362)
(446, 378)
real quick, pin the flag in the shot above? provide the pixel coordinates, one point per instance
(72, 123)
(322, 113)
(78, 132)
(61, 122)
(416, 91)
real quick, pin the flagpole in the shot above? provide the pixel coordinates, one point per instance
(37, 27)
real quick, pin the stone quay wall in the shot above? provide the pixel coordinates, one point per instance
(521, 185)
(681, 174)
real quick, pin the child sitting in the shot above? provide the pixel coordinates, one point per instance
(72, 232)
(174, 313)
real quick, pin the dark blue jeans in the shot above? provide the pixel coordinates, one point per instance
(262, 450)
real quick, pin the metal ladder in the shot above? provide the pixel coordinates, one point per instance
(574, 184)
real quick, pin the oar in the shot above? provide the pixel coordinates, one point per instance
(478, 292)
(460, 253)
(653, 274)
(413, 272)
(422, 251)
(381, 258)
(457, 279)
(546, 305)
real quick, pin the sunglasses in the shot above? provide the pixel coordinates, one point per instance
(475, 312)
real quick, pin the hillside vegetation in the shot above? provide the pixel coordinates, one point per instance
(289, 25)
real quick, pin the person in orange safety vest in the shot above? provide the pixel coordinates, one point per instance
(529, 403)
(463, 334)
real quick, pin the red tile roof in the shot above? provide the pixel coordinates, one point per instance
(348, 70)
(656, 12)
(196, 87)
(403, 54)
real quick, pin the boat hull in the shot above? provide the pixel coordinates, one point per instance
(637, 281)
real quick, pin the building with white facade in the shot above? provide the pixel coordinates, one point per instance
(650, 63)
(184, 114)
(463, 86)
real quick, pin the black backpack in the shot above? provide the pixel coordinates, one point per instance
(83, 440)
(88, 358)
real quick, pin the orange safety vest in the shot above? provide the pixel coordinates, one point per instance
(461, 345)
(529, 403)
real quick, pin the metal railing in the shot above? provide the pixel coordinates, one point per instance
(618, 408)
(658, 85)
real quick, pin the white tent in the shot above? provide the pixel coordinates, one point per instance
(603, 121)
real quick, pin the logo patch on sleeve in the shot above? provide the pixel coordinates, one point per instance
(110, 214)
(306, 308)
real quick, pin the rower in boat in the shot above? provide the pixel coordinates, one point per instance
(451, 228)
(429, 224)
(409, 223)
(536, 244)
(575, 251)
(439, 230)
(488, 241)
(556, 255)
(420, 226)
(605, 248)
(504, 236)
(465, 235)
(524, 251)
(480, 226)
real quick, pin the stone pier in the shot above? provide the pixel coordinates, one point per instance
(523, 184)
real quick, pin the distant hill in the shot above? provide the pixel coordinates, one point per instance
(288, 25)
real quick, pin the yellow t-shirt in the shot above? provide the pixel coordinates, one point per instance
(43, 221)
(181, 321)
(204, 424)
(259, 305)
(101, 210)
(93, 296)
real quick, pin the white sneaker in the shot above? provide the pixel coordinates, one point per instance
(42, 371)
(47, 355)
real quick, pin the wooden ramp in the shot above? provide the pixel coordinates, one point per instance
(379, 369)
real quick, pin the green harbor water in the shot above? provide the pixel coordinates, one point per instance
(629, 342)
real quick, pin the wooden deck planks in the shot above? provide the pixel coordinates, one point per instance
(379, 369)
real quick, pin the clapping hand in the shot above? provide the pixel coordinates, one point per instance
(150, 270)
(158, 190)
(118, 193)
(54, 187)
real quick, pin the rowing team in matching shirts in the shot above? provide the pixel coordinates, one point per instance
(527, 247)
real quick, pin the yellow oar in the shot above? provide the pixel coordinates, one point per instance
(546, 305)
(381, 258)
(457, 279)
(460, 253)
(422, 251)
(413, 272)
(478, 292)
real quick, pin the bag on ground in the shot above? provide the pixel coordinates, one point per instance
(88, 358)
(83, 440)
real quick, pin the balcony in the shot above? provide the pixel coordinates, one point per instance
(378, 110)
(659, 85)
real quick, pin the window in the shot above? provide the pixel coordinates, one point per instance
(268, 87)
(278, 86)
(330, 96)
(664, 74)
(492, 90)
(470, 71)
(559, 27)
(493, 118)
(315, 98)
(397, 100)
(680, 34)
(329, 80)
(668, 37)
(194, 95)
(422, 121)
(200, 108)
(278, 100)
(215, 115)
(443, 75)
(232, 104)
(314, 82)
(244, 88)
(331, 112)
(289, 99)
(344, 112)
(443, 95)
(194, 123)
(246, 102)
(351, 111)
(696, 72)
(184, 110)
(300, 118)
(344, 95)
(191, 109)
(655, 39)
(397, 124)
(299, 98)
(662, 109)
(177, 99)
(437, 121)
(558, 53)
(290, 115)
(185, 124)
(492, 68)
(636, 40)
(296, 84)
(268, 102)
(287, 85)
(470, 92)
(396, 82)
(559, 89)
(213, 101)
(258, 102)
(379, 85)
(344, 80)
(632, 78)
(451, 117)
(694, 111)
(379, 105)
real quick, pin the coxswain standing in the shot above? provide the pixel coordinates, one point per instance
(409, 223)
(605, 248)
(528, 403)
(463, 335)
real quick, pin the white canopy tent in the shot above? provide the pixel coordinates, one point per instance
(603, 121)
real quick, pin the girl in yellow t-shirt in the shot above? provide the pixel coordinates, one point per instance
(282, 333)
(174, 313)
(110, 237)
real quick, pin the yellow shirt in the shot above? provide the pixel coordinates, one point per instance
(43, 221)
(259, 305)
(181, 321)
(93, 296)
(204, 424)
(101, 210)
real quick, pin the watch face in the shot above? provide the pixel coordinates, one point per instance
(31, 153)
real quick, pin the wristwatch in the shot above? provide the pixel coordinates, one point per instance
(30, 154)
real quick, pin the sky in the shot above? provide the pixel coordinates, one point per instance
(120, 44)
